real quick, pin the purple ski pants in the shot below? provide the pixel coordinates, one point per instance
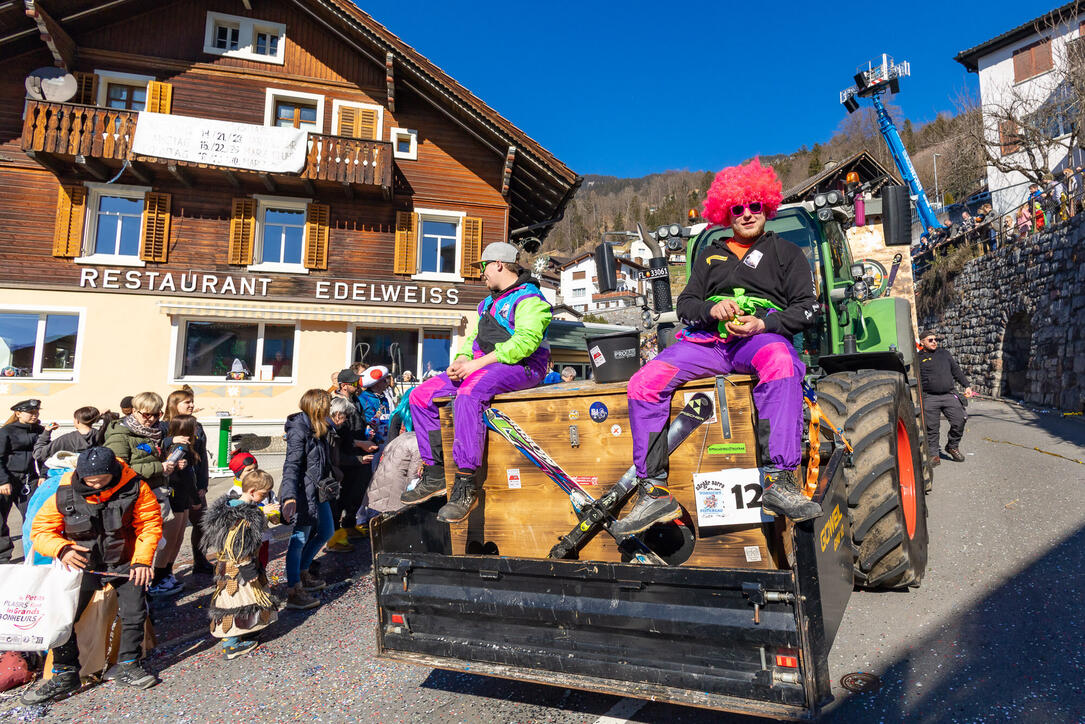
(472, 396)
(777, 396)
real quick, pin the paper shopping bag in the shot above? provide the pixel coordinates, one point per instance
(37, 606)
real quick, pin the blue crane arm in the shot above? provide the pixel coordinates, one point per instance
(904, 165)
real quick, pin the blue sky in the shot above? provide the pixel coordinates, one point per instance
(638, 87)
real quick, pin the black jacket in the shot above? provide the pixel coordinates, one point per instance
(308, 461)
(347, 455)
(17, 453)
(74, 441)
(937, 370)
(773, 268)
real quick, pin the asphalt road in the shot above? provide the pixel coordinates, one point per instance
(995, 633)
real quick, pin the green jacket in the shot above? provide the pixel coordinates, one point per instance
(533, 315)
(127, 446)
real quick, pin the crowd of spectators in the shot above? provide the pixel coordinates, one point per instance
(1059, 198)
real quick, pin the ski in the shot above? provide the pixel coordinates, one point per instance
(601, 513)
(581, 499)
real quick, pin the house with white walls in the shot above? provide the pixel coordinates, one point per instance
(1025, 69)
(579, 287)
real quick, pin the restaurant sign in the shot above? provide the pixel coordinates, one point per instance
(229, 285)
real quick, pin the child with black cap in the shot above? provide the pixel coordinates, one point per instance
(74, 527)
(18, 471)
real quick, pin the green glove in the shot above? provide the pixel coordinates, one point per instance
(747, 304)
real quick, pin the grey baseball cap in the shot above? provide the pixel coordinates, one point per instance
(501, 251)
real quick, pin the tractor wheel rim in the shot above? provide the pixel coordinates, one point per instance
(906, 477)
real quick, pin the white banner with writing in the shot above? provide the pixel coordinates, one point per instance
(220, 143)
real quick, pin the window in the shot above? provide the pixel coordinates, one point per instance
(580, 292)
(1008, 138)
(404, 143)
(227, 36)
(39, 344)
(358, 120)
(1032, 60)
(294, 109)
(437, 248)
(114, 225)
(263, 351)
(280, 235)
(237, 37)
(422, 351)
(128, 97)
(579, 274)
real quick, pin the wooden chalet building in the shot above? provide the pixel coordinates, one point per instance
(275, 186)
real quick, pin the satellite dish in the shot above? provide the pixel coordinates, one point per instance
(51, 84)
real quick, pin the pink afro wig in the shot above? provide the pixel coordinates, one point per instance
(741, 185)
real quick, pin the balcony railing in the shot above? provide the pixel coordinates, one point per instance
(70, 130)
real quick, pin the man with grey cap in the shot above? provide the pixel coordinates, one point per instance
(505, 349)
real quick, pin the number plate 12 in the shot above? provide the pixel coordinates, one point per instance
(729, 497)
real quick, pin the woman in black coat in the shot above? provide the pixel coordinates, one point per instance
(306, 491)
(18, 472)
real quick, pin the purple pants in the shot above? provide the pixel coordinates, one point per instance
(472, 396)
(778, 395)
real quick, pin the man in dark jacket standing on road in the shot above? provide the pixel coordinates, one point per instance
(938, 370)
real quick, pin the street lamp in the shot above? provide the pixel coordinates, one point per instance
(936, 194)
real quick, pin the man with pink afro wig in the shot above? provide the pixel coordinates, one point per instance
(750, 263)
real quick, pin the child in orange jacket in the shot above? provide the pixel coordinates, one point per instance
(79, 526)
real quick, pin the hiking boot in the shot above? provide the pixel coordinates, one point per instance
(65, 682)
(430, 485)
(131, 673)
(337, 547)
(783, 497)
(655, 504)
(462, 501)
(936, 460)
(241, 648)
(297, 598)
(954, 455)
(311, 583)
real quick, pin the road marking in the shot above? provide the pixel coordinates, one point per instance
(620, 712)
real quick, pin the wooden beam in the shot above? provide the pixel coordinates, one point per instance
(48, 161)
(247, 4)
(349, 191)
(233, 179)
(58, 41)
(390, 80)
(309, 188)
(141, 172)
(94, 167)
(179, 173)
(269, 183)
(506, 178)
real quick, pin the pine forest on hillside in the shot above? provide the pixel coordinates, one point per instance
(607, 203)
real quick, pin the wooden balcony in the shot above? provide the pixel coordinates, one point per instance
(97, 141)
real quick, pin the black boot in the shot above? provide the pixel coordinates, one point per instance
(429, 486)
(783, 497)
(655, 504)
(64, 682)
(462, 501)
(954, 454)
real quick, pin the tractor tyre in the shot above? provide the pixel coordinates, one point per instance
(886, 501)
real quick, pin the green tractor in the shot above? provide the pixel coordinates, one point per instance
(861, 359)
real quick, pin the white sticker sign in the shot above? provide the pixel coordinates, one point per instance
(513, 475)
(729, 497)
(597, 356)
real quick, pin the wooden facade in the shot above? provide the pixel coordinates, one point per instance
(48, 145)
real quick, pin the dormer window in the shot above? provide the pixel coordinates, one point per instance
(233, 36)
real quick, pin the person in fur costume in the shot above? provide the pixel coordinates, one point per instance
(241, 603)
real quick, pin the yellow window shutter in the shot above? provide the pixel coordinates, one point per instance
(472, 247)
(159, 97)
(242, 231)
(87, 88)
(68, 232)
(317, 231)
(156, 227)
(348, 122)
(406, 259)
(367, 124)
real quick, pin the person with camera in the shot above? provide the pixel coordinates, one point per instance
(306, 492)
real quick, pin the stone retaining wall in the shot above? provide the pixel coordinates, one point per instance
(1018, 325)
